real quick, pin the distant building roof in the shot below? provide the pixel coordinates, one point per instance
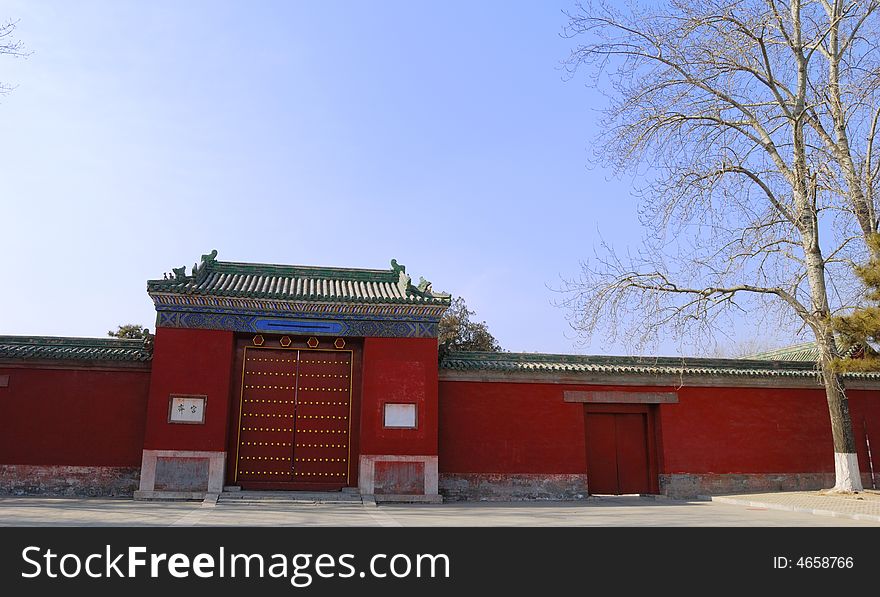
(298, 283)
(74, 349)
(805, 351)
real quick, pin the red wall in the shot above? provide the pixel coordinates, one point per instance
(864, 407)
(73, 417)
(489, 427)
(746, 430)
(400, 370)
(510, 428)
(759, 430)
(190, 361)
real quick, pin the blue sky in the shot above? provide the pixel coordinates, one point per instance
(143, 134)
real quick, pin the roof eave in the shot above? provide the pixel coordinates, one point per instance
(443, 303)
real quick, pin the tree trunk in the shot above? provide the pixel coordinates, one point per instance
(846, 463)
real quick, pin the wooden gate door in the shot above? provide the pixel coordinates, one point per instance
(601, 454)
(294, 419)
(323, 419)
(617, 453)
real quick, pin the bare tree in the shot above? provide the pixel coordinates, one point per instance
(10, 46)
(755, 121)
(744, 348)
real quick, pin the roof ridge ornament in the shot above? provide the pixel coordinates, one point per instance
(404, 282)
(210, 257)
(198, 271)
(424, 286)
(178, 274)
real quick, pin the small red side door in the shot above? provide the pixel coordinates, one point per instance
(601, 454)
(632, 453)
(617, 453)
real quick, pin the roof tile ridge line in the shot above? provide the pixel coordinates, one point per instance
(638, 359)
(209, 263)
(293, 269)
(107, 342)
(511, 355)
(674, 362)
(572, 358)
(453, 364)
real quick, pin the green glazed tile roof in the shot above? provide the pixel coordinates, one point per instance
(523, 362)
(79, 349)
(299, 283)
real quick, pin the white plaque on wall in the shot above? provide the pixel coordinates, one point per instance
(400, 415)
(186, 408)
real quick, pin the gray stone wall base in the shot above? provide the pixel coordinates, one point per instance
(512, 486)
(689, 485)
(172, 496)
(181, 472)
(392, 475)
(72, 481)
(407, 498)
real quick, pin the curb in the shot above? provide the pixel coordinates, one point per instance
(771, 506)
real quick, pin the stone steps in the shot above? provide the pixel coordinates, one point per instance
(290, 497)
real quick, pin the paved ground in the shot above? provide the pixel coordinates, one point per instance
(596, 511)
(864, 505)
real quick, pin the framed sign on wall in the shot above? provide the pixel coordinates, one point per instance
(188, 409)
(400, 416)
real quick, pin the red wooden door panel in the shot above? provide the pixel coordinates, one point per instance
(266, 417)
(601, 454)
(295, 419)
(323, 419)
(632, 453)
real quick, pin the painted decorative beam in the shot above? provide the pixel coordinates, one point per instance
(324, 327)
